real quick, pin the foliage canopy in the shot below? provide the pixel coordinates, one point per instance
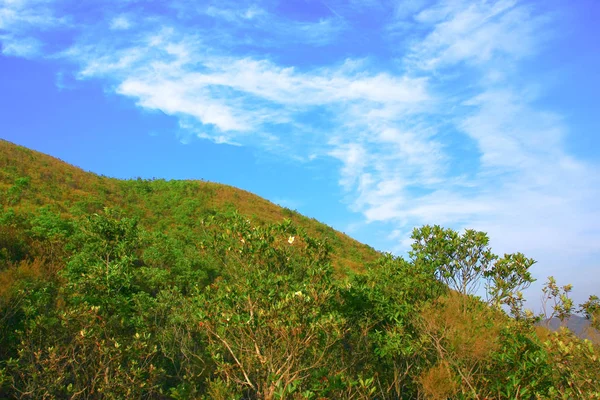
(187, 290)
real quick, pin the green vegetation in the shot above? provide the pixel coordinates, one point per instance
(160, 289)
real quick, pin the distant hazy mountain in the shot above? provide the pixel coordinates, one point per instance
(579, 325)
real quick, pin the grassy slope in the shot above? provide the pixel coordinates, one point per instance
(159, 204)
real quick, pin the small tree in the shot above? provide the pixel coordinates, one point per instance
(561, 305)
(506, 281)
(465, 262)
(460, 261)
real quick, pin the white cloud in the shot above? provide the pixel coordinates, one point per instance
(21, 21)
(274, 30)
(19, 16)
(524, 188)
(179, 74)
(354, 159)
(401, 132)
(475, 33)
(234, 14)
(20, 47)
(119, 23)
(175, 97)
(511, 134)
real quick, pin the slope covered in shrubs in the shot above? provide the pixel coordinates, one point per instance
(116, 289)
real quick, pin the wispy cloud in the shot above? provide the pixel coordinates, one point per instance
(430, 123)
(254, 24)
(20, 47)
(476, 33)
(523, 187)
(21, 21)
(120, 22)
(233, 14)
(180, 74)
(18, 16)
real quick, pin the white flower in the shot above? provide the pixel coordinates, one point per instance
(291, 239)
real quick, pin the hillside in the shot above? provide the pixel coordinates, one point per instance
(30, 180)
(153, 289)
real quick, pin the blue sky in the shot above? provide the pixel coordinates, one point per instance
(372, 116)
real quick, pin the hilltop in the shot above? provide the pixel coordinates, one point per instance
(30, 180)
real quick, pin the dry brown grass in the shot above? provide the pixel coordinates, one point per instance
(23, 270)
(438, 382)
(462, 332)
(465, 325)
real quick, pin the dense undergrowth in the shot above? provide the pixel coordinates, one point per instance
(188, 290)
